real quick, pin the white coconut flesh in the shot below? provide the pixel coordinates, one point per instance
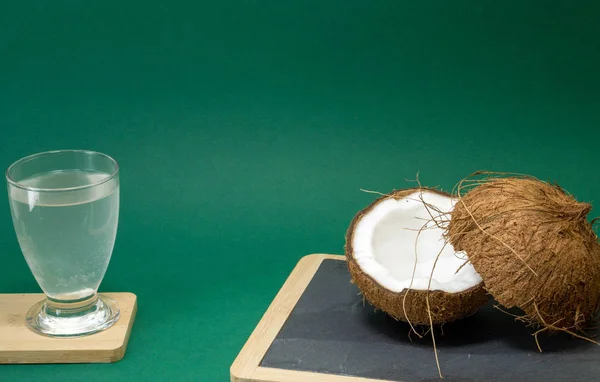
(386, 243)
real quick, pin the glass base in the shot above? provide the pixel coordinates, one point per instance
(73, 319)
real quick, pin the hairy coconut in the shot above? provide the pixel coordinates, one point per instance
(534, 248)
(393, 245)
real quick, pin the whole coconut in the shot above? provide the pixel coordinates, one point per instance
(534, 248)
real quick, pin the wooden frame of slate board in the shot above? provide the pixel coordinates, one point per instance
(246, 367)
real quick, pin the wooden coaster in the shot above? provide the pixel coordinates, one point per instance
(19, 345)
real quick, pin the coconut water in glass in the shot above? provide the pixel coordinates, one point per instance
(65, 210)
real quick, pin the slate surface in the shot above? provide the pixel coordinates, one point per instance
(331, 331)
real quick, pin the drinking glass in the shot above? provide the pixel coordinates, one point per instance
(65, 211)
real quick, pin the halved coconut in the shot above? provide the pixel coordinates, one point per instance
(391, 248)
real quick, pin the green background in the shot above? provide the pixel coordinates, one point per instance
(246, 129)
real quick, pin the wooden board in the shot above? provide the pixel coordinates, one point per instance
(19, 345)
(246, 367)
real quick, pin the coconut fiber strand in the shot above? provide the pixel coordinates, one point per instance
(533, 246)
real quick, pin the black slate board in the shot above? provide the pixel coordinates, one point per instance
(331, 331)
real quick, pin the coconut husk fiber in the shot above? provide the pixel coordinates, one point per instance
(534, 247)
(411, 305)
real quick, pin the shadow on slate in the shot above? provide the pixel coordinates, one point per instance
(331, 331)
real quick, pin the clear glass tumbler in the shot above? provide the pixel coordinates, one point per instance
(65, 211)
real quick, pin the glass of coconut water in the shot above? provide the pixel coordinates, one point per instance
(65, 211)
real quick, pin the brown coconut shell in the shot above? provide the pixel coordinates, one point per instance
(445, 307)
(534, 248)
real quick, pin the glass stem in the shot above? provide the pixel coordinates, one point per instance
(76, 308)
